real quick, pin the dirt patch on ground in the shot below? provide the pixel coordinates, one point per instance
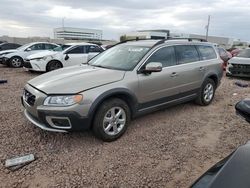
(169, 148)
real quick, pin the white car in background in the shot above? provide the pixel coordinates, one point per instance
(15, 58)
(64, 56)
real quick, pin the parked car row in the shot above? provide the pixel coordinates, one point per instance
(43, 56)
(62, 56)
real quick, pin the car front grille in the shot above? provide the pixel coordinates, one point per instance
(240, 69)
(29, 97)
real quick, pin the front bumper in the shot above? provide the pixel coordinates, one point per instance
(49, 119)
(39, 124)
(35, 65)
(238, 70)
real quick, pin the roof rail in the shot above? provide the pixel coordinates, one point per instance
(187, 38)
(161, 41)
(179, 38)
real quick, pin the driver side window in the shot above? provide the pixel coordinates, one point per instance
(165, 55)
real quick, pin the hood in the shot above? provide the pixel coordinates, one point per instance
(41, 54)
(240, 60)
(75, 79)
(7, 51)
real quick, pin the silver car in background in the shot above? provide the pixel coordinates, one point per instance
(123, 82)
(240, 65)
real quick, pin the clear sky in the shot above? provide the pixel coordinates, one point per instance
(22, 18)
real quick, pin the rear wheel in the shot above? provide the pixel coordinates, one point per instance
(206, 94)
(53, 65)
(111, 120)
(16, 62)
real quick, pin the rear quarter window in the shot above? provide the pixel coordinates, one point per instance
(206, 52)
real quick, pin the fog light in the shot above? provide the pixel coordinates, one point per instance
(59, 122)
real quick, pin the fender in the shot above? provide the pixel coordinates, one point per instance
(130, 98)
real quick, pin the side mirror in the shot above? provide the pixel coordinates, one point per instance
(153, 67)
(28, 49)
(66, 57)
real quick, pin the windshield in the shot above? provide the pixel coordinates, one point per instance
(244, 53)
(61, 48)
(121, 57)
(23, 47)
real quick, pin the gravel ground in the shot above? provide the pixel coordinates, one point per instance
(169, 148)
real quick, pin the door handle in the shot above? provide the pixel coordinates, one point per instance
(174, 74)
(201, 69)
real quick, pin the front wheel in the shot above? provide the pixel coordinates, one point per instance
(16, 62)
(206, 93)
(111, 120)
(53, 65)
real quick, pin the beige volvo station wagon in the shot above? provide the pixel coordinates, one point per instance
(127, 80)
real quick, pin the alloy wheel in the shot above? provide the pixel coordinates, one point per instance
(16, 62)
(208, 92)
(114, 121)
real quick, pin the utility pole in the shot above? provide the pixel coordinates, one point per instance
(63, 22)
(207, 26)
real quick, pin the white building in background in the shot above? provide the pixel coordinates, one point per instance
(70, 33)
(225, 42)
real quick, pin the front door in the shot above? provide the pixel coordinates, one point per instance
(158, 87)
(75, 56)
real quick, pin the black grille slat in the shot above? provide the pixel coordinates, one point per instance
(29, 98)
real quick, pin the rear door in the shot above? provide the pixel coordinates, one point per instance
(157, 87)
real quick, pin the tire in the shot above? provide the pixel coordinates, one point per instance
(115, 127)
(206, 93)
(53, 65)
(16, 62)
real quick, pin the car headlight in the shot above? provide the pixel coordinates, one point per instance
(65, 100)
(38, 58)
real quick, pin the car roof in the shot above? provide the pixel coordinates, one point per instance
(151, 43)
(79, 43)
(40, 43)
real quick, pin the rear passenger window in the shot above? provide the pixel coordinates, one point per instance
(165, 55)
(186, 54)
(206, 52)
